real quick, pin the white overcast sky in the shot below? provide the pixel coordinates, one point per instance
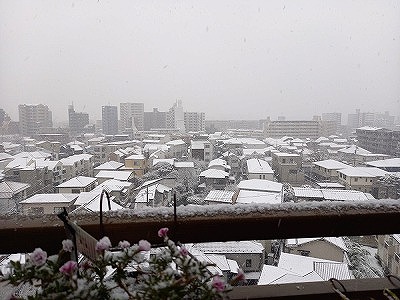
(230, 59)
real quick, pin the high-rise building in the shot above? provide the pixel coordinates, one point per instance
(132, 115)
(155, 120)
(175, 117)
(77, 121)
(195, 121)
(109, 119)
(296, 129)
(34, 118)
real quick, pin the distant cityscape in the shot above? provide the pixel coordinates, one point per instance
(146, 159)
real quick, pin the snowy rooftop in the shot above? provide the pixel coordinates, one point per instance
(258, 166)
(9, 188)
(163, 160)
(176, 142)
(302, 265)
(282, 154)
(230, 247)
(217, 162)
(247, 197)
(51, 198)
(363, 172)
(79, 182)
(112, 185)
(330, 185)
(118, 175)
(220, 196)
(213, 173)
(353, 149)
(331, 164)
(385, 163)
(331, 194)
(109, 165)
(260, 185)
(337, 241)
(136, 156)
(184, 164)
(197, 145)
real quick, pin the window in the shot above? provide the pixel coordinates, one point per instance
(76, 191)
(355, 179)
(304, 252)
(58, 210)
(248, 263)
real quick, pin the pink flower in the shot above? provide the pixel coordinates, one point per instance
(68, 268)
(144, 245)
(240, 276)
(68, 245)
(103, 244)
(163, 232)
(183, 251)
(124, 244)
(218, 283)
(38, 257)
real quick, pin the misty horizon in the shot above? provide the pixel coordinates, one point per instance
(243, 60)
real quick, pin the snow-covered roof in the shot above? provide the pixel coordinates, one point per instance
(213, 173)
(175, 143)
(369, 128)
(331, 194)
(78, 182)
(283, 154)
(330, 185)
(197, 145)
(9, 188)
(118, 175)
(302, 265)
(217, 162)
(112, 185)
(353, 149)
(136, 156)
(258, 166)
(355, 172)
(149, 193)
(50, 198)
(385, 163)
(246, 197)
(260, 185)
(363, 172)
(33, 154)
(183, 164)
(337, 241)
(109, 165)
(220, 196)
(93, 205)
(230, 247)
(331, 164)
(163, 160)
(50, 164)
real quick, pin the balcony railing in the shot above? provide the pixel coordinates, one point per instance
(20, 233)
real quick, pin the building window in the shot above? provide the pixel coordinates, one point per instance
(248, 263)
(76, 191)
(58, 210)
(304, 252)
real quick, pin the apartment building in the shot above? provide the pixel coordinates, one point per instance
(287, 168)
(389, 252)
(201, 150)
(379, 140)
(109, 120)
(131, 115)
(195, 121)
(34, 118)
(77, 121)
(298, 129)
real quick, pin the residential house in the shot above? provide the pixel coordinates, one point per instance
(330, 248)
(201, 150)
(288, 168)
(360, 178)
(122, 175)
(328, 169)
(177, 148)
(389, 252)
(121, 191)
(11, 193)
(390, 165)
(215, 179)
(137, 163)
(259, 169)
(48, 203)
(108, 166)
(219, 164)
(153, 193)
(249, 255)
(77, 185)
(90, 202)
